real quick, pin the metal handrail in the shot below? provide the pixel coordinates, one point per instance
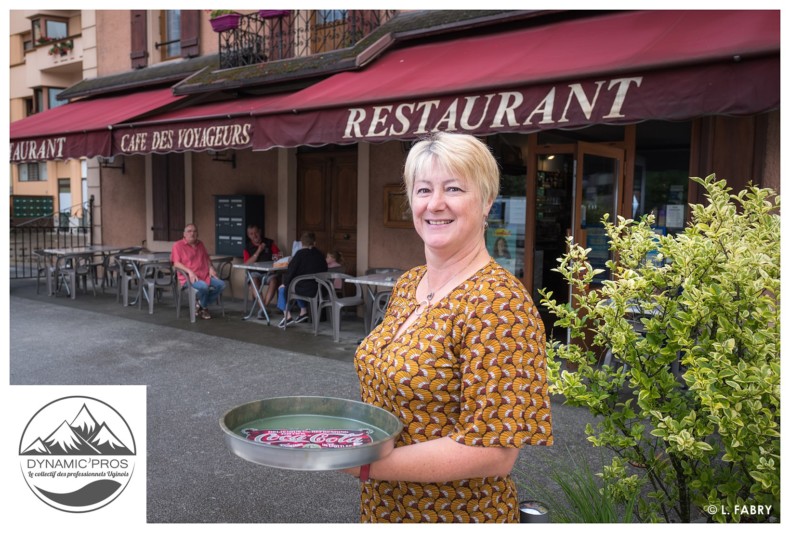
(272, 36)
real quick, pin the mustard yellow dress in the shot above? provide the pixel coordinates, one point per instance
(473, 368)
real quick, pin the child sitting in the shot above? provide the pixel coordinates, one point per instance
(335, 260)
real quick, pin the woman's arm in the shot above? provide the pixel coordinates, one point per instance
(442, 460)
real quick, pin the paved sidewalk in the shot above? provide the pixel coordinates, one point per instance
(194, 373)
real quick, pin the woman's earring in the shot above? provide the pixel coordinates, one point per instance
(485, 223)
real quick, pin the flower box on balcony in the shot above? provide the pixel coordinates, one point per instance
(61, 48)
(273, 13)
(225, 22)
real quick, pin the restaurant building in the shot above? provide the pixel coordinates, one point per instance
(46, 55)
(587, 113)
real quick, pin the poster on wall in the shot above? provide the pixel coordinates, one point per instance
(496, 216)
(501, 244)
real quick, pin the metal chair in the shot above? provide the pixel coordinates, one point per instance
(293, 296)
(329, 299)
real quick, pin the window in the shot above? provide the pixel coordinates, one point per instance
(168, 185)
(46, 98)
(38, 100)
(661, 173)
(329, 31)
(33, 172)
(57, 29)
(170, 34)
(53, 97)
(49, 29)
(325, 16)
(507, 218)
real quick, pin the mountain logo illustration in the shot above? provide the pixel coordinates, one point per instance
(77, 454)
(83, 436)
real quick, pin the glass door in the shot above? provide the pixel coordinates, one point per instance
(598, 191)
(553, 221)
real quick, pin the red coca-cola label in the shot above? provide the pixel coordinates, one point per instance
(309, 438)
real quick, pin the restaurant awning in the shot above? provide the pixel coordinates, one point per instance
(213, 126)
(82, 128)
(613, 69)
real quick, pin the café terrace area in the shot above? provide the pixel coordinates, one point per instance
(231, 325)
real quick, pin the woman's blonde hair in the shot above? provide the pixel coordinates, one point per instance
(461, 155)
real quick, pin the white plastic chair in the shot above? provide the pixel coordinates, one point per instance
(329, 299)
(379, 308)
(155, 278)
(313, 301)
(44, 268)
(179, 289)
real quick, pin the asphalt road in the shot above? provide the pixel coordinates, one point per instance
(192, 378)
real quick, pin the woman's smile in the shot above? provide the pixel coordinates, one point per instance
(447, 212)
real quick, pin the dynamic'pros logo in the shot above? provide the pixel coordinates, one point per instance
(77, 454)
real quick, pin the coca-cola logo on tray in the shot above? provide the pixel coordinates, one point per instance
(309, 438)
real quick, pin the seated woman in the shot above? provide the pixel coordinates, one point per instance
(308, 260)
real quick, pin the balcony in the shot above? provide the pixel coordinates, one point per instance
(275, 35)
(55, 63)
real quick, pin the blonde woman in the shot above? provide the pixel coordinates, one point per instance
(459, 356)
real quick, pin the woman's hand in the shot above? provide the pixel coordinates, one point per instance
(353, 471)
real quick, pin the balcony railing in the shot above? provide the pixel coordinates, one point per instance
(275, 35)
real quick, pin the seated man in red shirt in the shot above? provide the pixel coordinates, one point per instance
(190, 255)
(259, 248)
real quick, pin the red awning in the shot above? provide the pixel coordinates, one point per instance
(81, 129)
(614, 69)
(215, 126)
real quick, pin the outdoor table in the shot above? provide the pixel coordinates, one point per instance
(62, 255)
(142, 264)
(372, 282)
(265, 267)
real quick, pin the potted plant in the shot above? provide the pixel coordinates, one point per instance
(272, 13)
(61, 48)
(224, 20)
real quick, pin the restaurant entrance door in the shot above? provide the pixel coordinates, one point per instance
(599, 186)
(575, 184)
(327, 202)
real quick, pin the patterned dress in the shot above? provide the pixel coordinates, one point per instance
(473, 368)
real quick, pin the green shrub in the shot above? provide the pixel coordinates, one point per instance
(708, 298)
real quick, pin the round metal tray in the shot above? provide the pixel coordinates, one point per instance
(300, 412)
